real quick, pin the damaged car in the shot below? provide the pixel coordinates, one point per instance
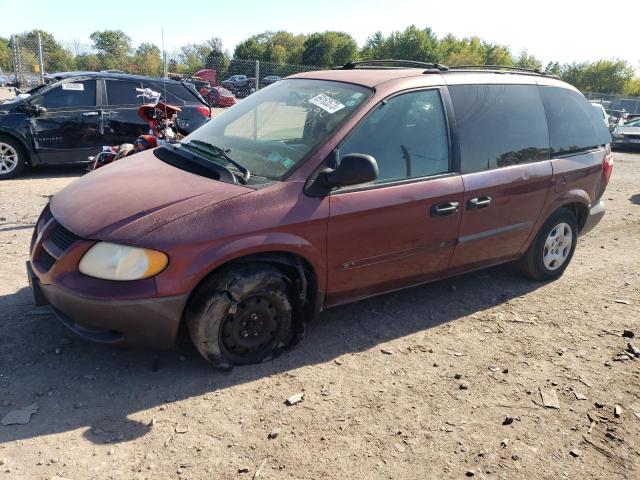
(376, 180)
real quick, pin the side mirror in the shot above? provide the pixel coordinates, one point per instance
(354, 169)
(33, 109)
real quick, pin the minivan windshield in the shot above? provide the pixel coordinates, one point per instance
(274, 129)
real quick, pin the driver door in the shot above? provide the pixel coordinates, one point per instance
(401, 229)
(71, 128)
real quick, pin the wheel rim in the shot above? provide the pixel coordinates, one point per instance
(251, 331)
(557, 247)
(8, 158)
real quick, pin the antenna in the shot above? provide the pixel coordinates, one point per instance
(164, 77)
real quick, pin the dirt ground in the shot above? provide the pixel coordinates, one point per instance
(438, 381)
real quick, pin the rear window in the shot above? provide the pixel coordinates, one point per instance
(574, 124)
(499, 125)
(123, 93)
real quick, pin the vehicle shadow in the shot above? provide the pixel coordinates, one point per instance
(80, 385)
(52, 171)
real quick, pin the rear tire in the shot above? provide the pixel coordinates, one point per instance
(551, 251)
(13, 158)
(241, 316)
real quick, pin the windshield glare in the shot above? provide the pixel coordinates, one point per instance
(277, 127)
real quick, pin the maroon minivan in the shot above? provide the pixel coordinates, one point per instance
(324, 188)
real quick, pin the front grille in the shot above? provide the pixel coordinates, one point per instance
(62, 238)
(44, 261)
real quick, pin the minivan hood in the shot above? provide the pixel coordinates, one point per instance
(133, 196)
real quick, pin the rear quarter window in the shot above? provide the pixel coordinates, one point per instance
(176, 94)
(574, 124)
(499, 125)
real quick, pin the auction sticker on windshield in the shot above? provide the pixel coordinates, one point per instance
(73, 86)
(326, 103)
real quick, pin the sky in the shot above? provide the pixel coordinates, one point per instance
(562, 30)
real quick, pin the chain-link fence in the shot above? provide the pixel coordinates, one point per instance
(28, 60)
(616, 103)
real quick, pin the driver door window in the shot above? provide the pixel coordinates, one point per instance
(407, 135)
(70, 95)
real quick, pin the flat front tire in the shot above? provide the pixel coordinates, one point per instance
(241, 316)
(552, 249)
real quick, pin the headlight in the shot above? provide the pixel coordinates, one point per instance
(119, 262)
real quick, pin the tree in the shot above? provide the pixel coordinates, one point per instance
(524, 60)
(328, 49)
(553, 68)
(410, 44)
(632, 87)
(194, 55)
(603, 76)
(278, 47)
(6, 60)
(56, 58)
(113, 47)
(147, 60)
(89, 62)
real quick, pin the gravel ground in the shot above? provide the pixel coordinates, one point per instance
(438, 381)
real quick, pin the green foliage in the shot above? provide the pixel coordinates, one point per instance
(5, 55)
(113, 47)
(89, 62)
(603, 76)
(147, 60)
(632, 87)
(277, 47)
(524, 60)
(279, 50)
(327, 49)
(194, 55)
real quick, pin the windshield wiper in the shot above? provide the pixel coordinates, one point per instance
(219, 152)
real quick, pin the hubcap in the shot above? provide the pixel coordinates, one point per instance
(557, 246)
(252, 329)
(8, 158)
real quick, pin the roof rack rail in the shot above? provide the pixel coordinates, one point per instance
(391, 63)
(531, 71)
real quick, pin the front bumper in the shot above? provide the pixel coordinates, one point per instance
(596, 212)
(149, 323)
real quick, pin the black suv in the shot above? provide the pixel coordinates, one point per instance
(71, 118)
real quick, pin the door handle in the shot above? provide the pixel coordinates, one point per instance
(90, 114)
(446, 208)
(479, 202)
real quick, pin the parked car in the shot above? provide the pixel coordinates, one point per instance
(69, 119)
(202, 85)
(269, 213)
(266, 81)
(601, 113)
(627, 134)
(220, 97)
(236, 82)
(240, 85)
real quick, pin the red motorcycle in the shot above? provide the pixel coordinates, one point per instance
(161, 118)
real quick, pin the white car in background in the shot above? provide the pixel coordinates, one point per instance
(627, 134)
(602, 113)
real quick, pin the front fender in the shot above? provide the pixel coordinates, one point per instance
(186, 271)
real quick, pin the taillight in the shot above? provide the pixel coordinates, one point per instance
(204, 111)
(607, 167)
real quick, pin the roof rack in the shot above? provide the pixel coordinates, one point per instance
(501, 68)
(391, 63)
